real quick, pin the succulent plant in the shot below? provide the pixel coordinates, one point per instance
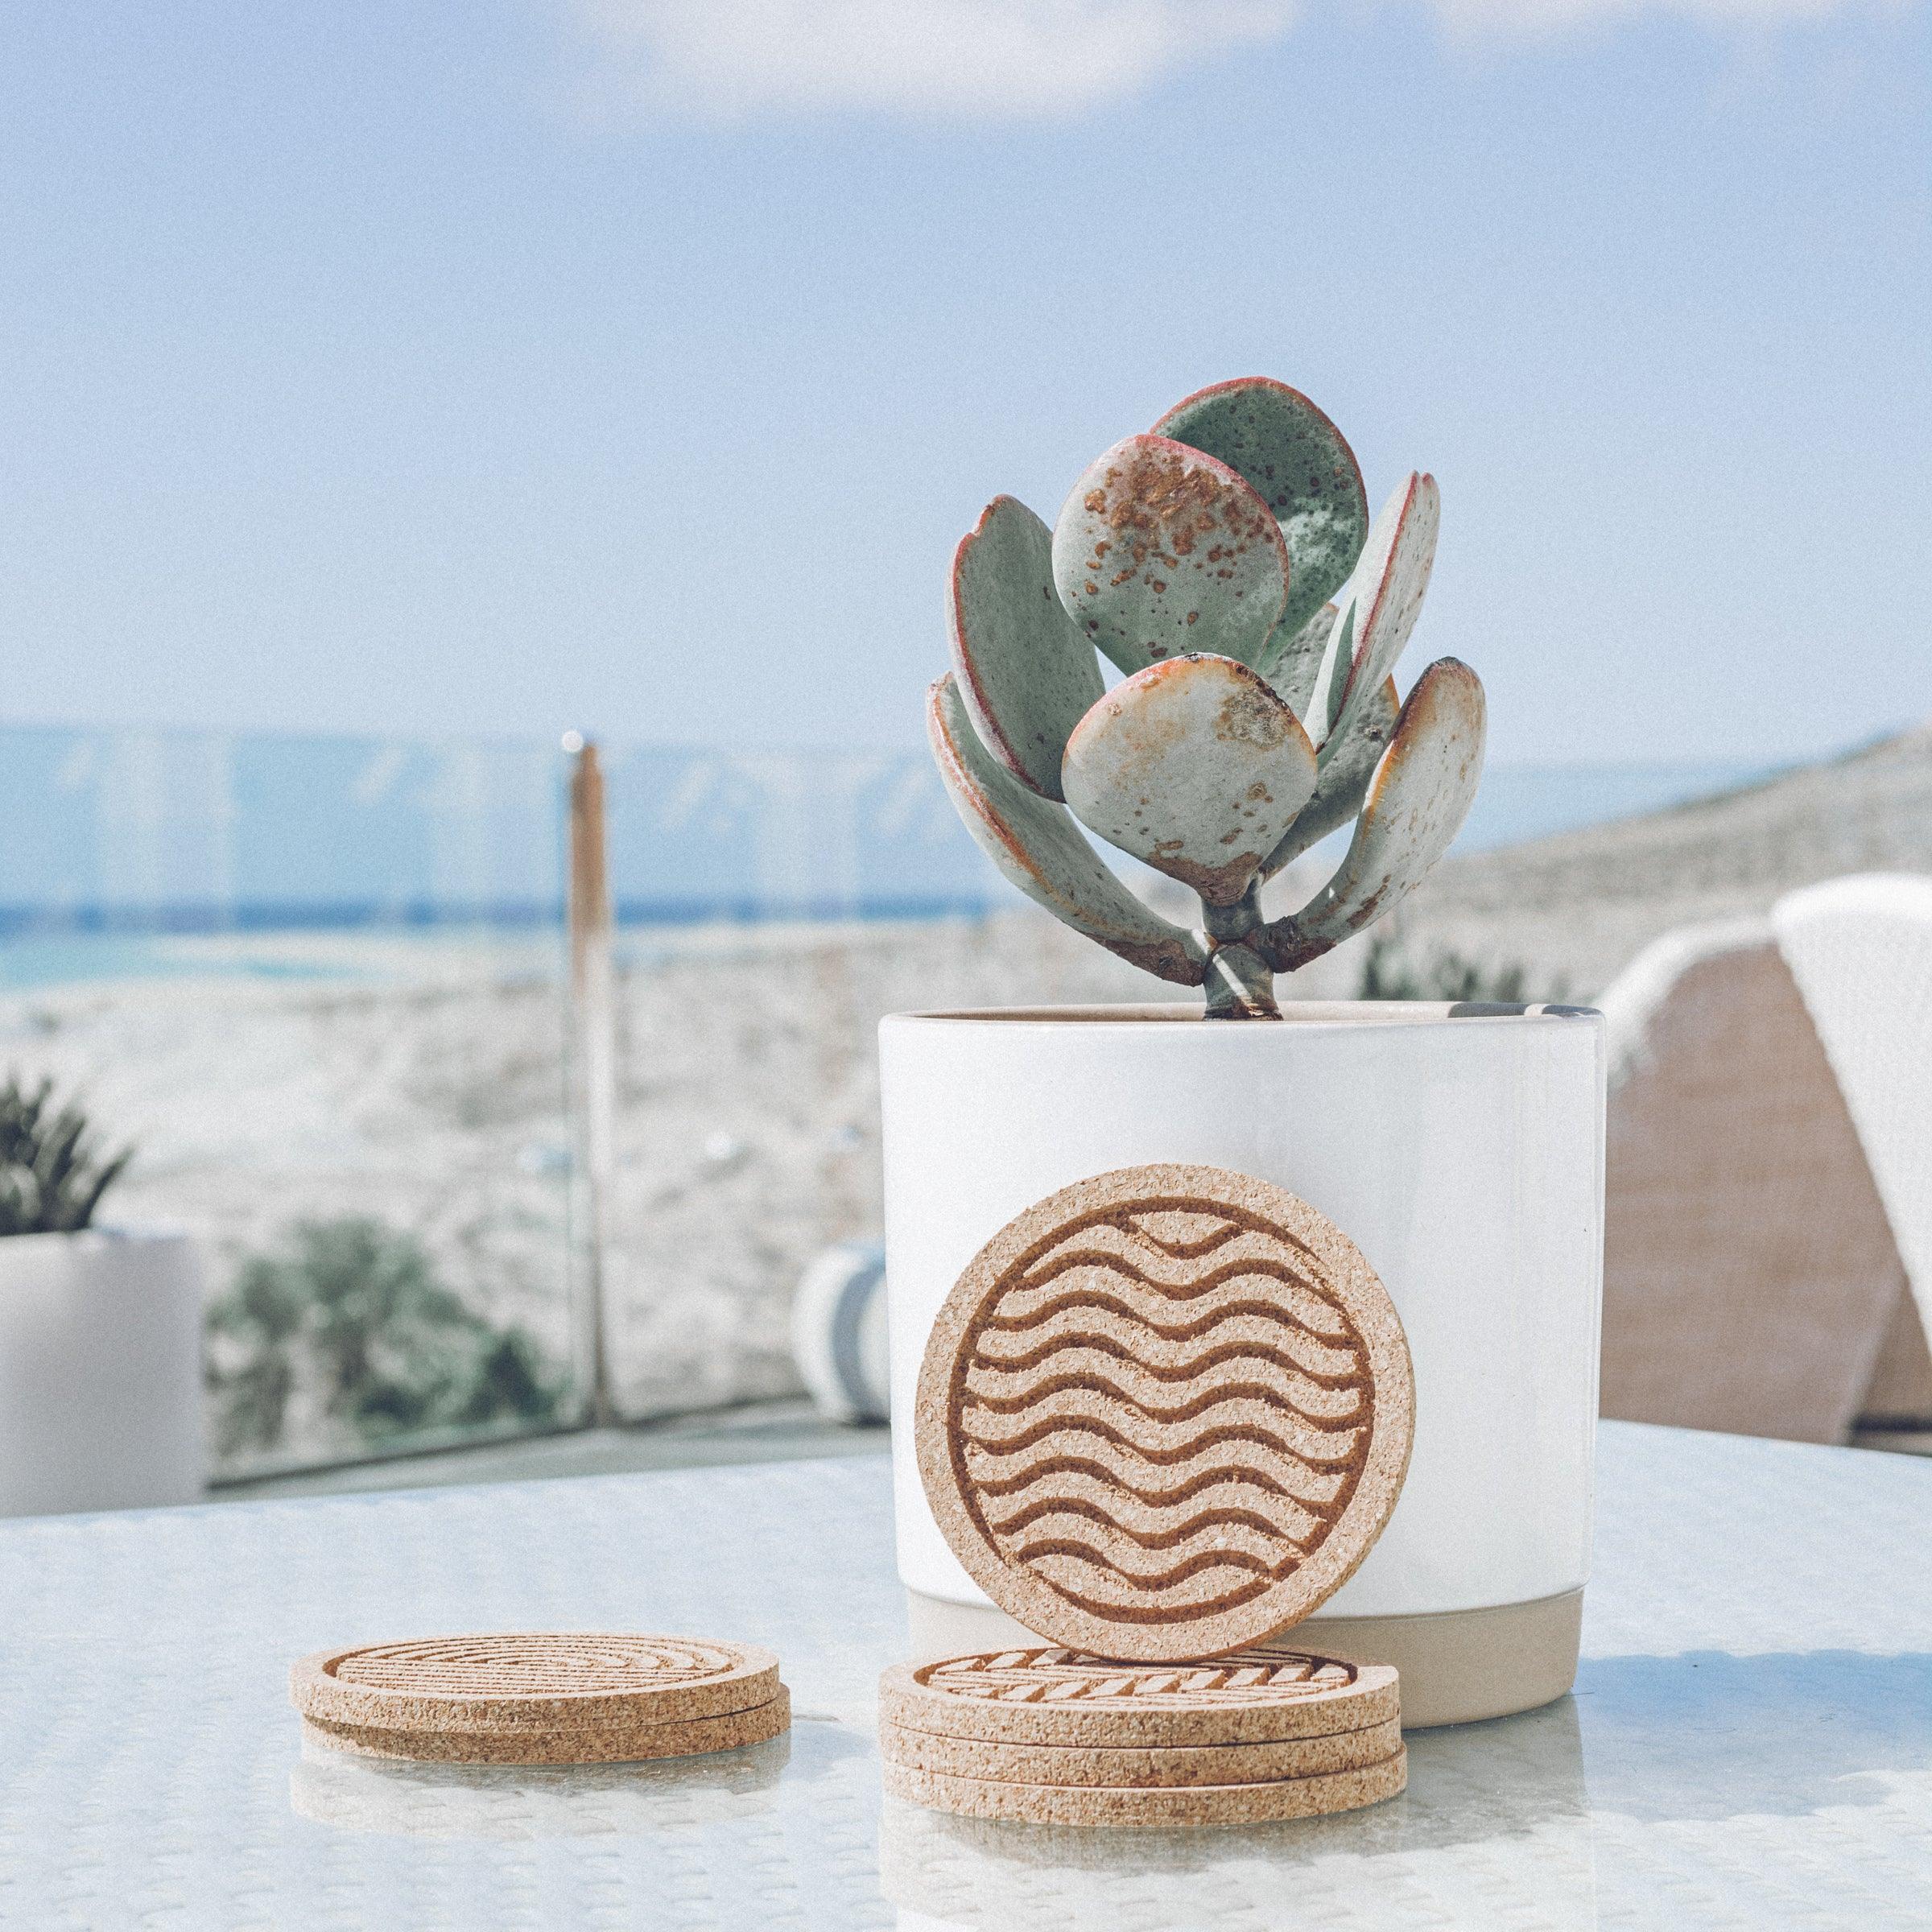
(1225, 563)
(52, 1173)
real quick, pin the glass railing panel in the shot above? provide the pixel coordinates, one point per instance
(814, 892)
(318, 983)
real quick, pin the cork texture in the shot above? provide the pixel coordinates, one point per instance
(1185, 1805)
(1057, 1697)
(1157, 1766)
(1164, 1413)
(581, 1744)
(531, 1681)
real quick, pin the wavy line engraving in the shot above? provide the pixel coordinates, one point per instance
(993, 1386)
(1055, 1480)
(1179, 1283)
(1125, 1233)
(1177, 1234)
(1154, 1352)
(1285, 1308)
(1154, 1495)
(1155, 1443)
(1034, 1548)
(1162, 1409)
(1208, 1588)
(1218, 1520)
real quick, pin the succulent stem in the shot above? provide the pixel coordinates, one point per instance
(1241, 984)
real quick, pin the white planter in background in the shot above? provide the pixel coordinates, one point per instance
(838, 1333)
(1460, 1149)
(100, 1372)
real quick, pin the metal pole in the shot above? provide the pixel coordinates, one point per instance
(593, 1013)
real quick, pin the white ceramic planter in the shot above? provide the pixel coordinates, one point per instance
(100, 1372)
(1460, 1148)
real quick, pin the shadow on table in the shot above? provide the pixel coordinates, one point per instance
(558, 1801)
(1706, 1734)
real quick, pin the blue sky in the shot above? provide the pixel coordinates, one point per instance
(635, 364)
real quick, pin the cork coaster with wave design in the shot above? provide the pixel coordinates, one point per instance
(1164, 1413)
(549, 1697)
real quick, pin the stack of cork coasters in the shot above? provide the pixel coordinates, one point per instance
(1057, 1738)
(1161, 1416)
(540, 1699)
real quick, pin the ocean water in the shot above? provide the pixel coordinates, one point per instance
(59, 958)
(158, 855)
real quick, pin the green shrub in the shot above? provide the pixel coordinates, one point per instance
(1388, 974)
(52, 1173)
(351, 1314)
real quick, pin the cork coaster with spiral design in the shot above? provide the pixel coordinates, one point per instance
(541, 1697)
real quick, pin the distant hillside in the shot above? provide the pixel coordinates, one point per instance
(1574, 908)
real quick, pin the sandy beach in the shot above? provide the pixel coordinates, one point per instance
(270, 1080)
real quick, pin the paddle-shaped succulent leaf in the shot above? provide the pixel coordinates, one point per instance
(1161, 550)
(1292, 664)
(1225, 563)
(1040, 849)
(1302, 465)
(1380, 607)
(1347, 765)
(1196, 768)
(1026, 674)
(1417, 801)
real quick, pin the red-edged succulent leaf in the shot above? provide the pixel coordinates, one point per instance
(1302, 467)
(1161, 550)
(1381, 605)
(1417, 802)
(1292, 664)
(1025, 673)
(1346, 766)
(1037, 846)
(1195, 767)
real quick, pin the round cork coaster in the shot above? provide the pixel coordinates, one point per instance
(528, 1682)
(591, 1745)
(1160, 1765)
(1314, 1796)
(1164, 1413)
(1057, 1697)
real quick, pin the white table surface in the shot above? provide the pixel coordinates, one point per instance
(1750, 1743)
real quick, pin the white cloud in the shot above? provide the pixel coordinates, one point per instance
(1546, 19)
(967, 60)
(989, 59)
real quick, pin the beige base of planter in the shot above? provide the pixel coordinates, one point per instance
(1457, 1666)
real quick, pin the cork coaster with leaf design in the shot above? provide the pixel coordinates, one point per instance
(541, 1697)
(1058, 1697)
(1164, 1413)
